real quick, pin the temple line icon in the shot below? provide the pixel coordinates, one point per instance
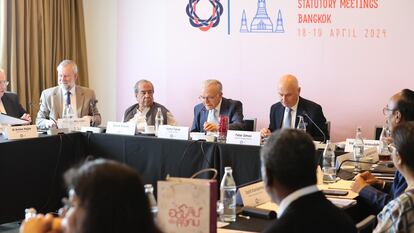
(261, 22)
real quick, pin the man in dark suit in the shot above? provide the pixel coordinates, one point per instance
(214, 105)
(289, 174)
(285, 113)
(9, 102)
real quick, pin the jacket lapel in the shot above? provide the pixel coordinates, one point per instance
(279, 116)
(80, 99)
(57, 101)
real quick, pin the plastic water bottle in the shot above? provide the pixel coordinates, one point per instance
(159, 120)
(301, 124)
(149, 191)
(68, 113)
(329, 170)
(358, 149)
(228, 196)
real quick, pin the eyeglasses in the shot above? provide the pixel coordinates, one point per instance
(150, 92)
(4, 83)
(386, 110)
(208, 98)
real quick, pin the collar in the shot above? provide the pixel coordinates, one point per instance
(295, 107)
(218, 107)
(72, 90)
(294, 196)
(144, 111)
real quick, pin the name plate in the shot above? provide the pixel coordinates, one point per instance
(243, 138)
(121, 128)
(20, 132)
(173, 132)
(254, 194)
(349, 146)
(73, 124)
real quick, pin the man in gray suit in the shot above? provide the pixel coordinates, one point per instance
(54, 100)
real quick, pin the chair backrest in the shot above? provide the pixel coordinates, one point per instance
(250, 124)
(367, 224)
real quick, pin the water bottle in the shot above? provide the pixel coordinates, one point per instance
(358, 149)
(149, 192)
(329, 170)
(68, 112)
(301, 124)
(159, 120)
(228, 196)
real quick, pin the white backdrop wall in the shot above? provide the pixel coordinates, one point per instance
(351, 76)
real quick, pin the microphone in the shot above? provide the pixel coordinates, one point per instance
(319, 129)
(347, 175)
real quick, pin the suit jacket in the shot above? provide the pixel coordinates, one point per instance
(12, 105)
(377, 198)
(51, 105)
(229, 107)
(312, 109)
(312, 213)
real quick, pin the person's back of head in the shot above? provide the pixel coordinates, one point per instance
(405, 104)
(403, 135)
(289, 159)
(113, 197)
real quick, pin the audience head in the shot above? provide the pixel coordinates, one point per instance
(400, 108)
(107, 197)
(289, 90)
(67, 74)
(403, 155)
(3, 83)
(211, 93)
(288, 162)
(144, 93)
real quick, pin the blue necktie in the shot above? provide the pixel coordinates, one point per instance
(68, 98)
(287, 119)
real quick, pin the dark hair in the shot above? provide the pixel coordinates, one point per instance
(289, 158)
(405, 104)
(113, 197)
(403, 135)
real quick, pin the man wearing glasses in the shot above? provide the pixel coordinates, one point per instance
(377, 193)
(143, 112)
(9, 102)
(214, 105)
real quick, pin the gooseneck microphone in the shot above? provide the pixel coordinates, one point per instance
(319, 129)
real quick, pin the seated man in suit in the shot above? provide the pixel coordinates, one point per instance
(54, 100)
(143, 112)
(207, 113)
(9, 102)
(289, 175)
(284, 114)
(375, 192)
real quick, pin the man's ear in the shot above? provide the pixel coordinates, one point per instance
(269, 178)
(398, 116)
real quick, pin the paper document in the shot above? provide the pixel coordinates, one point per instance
(8, 120)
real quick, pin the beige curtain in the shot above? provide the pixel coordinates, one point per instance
(40, 34)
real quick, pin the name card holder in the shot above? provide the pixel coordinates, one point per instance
(73, 124)
(254, 194)
(173, 132)
(121, 128)
(243, 138)
(20, 132)
(349, 146)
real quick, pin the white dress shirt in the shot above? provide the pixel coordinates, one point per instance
(2, 109)
(72, 100)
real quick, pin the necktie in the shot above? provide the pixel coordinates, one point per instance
(287, 118)
(68, 98)
(212, 116)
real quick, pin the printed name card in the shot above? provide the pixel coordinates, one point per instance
(243, 138)
(254, 194)
(121, 128)
(20, 132)
(73, 124)
(349, 146)
(173, 132)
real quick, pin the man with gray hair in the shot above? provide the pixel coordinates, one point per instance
(143, 112)
(9, 102)
(207, 113)
(54, 100)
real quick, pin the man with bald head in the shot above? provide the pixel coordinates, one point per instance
(207, 113)
(9, 102)
(284, 114)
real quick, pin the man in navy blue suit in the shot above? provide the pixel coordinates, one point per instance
(284, 114)
(9, 102)
(214, 105)
(289, 175)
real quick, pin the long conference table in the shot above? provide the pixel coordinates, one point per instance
(31, 169)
